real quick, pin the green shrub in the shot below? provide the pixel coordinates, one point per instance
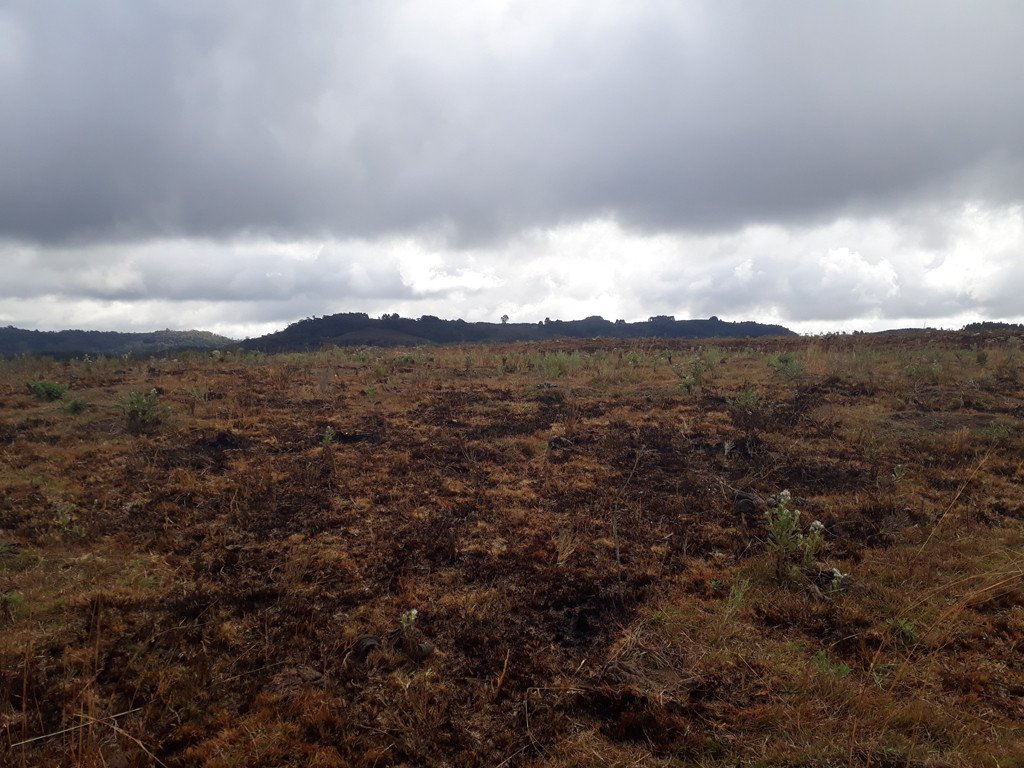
(140, 411)
(749, 410)
(47, 390)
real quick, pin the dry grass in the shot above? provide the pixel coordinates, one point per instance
(235, 587)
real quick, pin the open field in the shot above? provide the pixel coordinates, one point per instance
(518, 555)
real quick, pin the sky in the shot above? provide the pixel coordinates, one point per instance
(237, 165)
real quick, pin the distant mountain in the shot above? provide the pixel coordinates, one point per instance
(15, 341)
(357, 328)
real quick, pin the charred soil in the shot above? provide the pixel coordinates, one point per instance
(530, 554)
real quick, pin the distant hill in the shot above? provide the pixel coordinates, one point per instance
(357, 328)
(992, 325)
(15, 341)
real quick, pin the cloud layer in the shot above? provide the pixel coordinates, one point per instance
(795, 161)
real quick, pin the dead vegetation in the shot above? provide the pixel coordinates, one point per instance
(532, 555)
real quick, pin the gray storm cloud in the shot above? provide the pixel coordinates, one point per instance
(240, 164)
(128, 120)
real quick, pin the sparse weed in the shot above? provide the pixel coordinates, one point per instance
(711, 358)
(737, 596)
(733, 603)
(557, 364)
(996, 432)
(65, 520)
(828, 668)
(787, 365)
(196, 396)
(692, 375)
(905, 632)
(9, 602)
(634, 358)
(75, 406)
(199, 394)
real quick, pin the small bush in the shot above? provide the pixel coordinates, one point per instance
(749, 410)
(47, 390)
(140, 411)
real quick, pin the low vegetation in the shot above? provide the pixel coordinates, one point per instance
(758, 552)
(47, 390)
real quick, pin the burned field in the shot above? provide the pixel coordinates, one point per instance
(536, 555)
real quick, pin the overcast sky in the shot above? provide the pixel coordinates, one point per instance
(238, 165)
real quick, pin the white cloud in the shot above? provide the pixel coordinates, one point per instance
(842, 275)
